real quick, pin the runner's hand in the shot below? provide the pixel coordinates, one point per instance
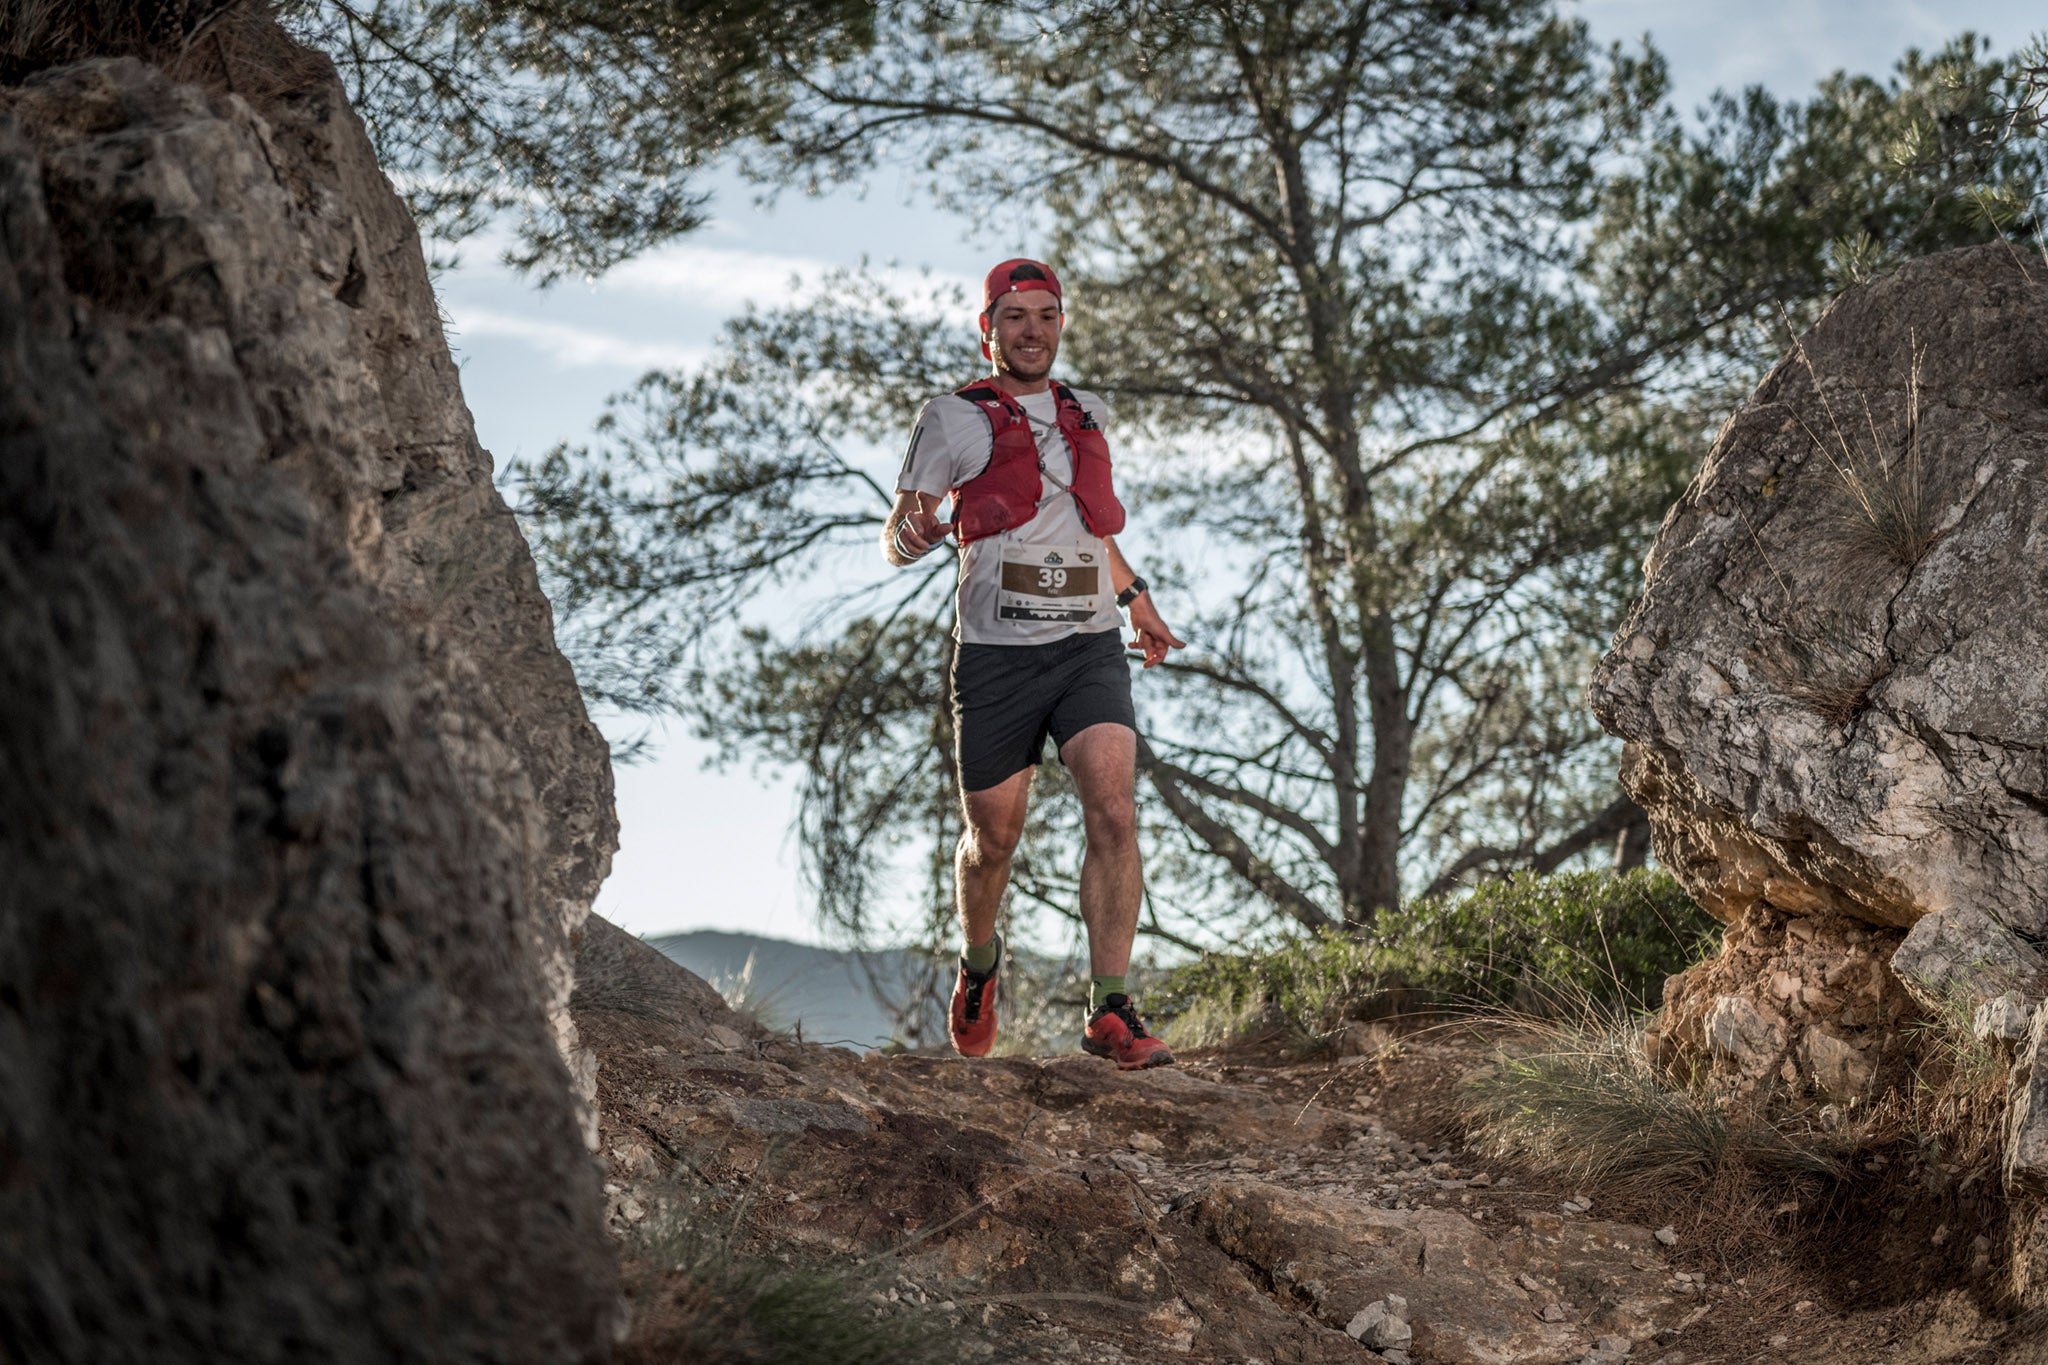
(1154, 638)
(919, 532)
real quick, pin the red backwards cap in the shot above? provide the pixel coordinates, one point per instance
(1015, 277)
(1019, 276)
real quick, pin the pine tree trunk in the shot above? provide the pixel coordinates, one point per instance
(1378, 885)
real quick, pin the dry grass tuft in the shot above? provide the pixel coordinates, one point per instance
(1869, 1197)
(1822, 670)
(228, 45)
(1218, 1021)
(39, 33)
(695, 1295)
(1953, 1108)
(636, 997)
(1580, 1101)
(1882, 512)
(744, 993)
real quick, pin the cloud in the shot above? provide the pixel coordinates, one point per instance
(572, 345)
(1789, 46)
(726, 279)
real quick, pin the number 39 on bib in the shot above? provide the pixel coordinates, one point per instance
(1047, 583)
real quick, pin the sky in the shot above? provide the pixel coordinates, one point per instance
(704, 849)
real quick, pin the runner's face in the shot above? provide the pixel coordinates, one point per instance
(1024, 334)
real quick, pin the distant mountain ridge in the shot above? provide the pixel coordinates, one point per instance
(861, 997)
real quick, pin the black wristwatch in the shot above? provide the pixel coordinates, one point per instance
(1130, 594)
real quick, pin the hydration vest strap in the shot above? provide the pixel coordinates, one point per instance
(1008, 491)
(992, 400)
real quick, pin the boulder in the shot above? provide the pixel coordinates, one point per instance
(2004, 1019)
(1960, 960)
(2026, 1120)
(1840, 1068)
(1824, 688)
(299, 809)
(1744, 1037)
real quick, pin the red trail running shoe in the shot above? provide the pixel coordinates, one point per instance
(972, 1019)
(1115, 1031)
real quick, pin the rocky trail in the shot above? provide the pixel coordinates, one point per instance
(1235, 1208)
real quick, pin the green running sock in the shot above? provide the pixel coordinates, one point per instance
(982, 956)
(1100, 988)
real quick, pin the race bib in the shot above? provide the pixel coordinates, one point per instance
(1051, 583)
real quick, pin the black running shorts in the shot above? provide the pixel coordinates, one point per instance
(1008, 698)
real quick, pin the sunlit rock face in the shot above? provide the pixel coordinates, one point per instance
(1803, 1005)
(1833, 688)
(299, 810)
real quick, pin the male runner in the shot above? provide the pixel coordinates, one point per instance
(1040, 654)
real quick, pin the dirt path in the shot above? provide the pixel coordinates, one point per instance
(1235, 1208)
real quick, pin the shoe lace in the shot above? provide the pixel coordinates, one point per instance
(1120, 1006)
(975, 986)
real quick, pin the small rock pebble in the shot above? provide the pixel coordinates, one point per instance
(1668, 1236)
(1382, 1324)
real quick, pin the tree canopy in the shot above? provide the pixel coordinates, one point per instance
(1414, 317)
(581, 124)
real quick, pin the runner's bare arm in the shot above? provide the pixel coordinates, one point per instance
(911, 529)
(1154, 637)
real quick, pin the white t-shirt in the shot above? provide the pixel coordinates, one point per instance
(1026, 586)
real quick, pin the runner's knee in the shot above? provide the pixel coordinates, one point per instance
(991, 841)
(1112, 826)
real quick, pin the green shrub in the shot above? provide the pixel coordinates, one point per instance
(1305, 987)
(1540, 945)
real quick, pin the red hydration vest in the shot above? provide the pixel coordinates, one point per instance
(1005, 494)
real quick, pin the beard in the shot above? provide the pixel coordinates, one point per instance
(1028, 373)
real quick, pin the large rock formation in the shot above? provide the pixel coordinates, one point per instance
(299, 807)
(1832, 688)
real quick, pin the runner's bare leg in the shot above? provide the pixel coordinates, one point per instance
(1103, 760)
(981, 866)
